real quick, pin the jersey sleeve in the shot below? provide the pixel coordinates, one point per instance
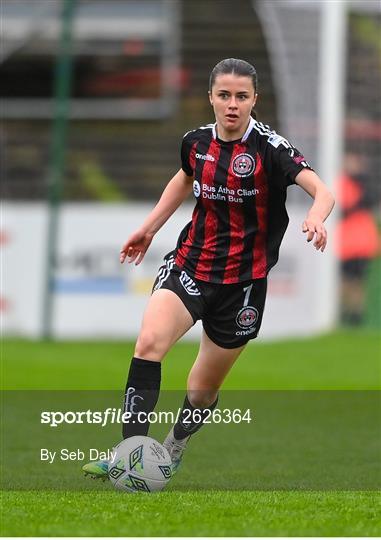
(186, 149)
(282, 161)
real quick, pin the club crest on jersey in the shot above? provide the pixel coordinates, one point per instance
(243, 165)
(247, 317)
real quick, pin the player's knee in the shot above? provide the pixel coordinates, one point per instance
(202, 398)
(150, 346)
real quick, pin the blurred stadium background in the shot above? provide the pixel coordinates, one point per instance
(95, 99)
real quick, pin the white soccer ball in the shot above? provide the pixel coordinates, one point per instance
(140, 464)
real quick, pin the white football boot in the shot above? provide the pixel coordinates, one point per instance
(175, 449)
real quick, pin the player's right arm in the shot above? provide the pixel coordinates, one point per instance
(176, 191)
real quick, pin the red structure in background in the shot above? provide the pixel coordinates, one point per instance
(140, 81)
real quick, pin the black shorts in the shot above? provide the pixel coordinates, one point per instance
(231, 314)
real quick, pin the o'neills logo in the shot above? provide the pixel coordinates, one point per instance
(243, 165)
(205, 157)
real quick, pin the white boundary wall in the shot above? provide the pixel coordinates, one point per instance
(96, 297)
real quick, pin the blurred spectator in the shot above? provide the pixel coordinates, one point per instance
(357, 240)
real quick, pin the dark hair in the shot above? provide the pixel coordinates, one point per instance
(236, 66)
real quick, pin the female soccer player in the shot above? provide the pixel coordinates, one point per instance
(239, 170)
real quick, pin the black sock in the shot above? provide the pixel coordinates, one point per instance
(141, 395)
(186, 424)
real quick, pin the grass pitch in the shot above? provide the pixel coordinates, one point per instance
(340, 361)
(191, 514)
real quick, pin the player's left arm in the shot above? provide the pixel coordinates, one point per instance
(322, 206)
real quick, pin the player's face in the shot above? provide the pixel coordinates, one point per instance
(232, 97)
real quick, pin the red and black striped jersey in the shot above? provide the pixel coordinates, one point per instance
(240, 215)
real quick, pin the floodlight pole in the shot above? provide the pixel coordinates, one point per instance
(62, 86)
(332, 78)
